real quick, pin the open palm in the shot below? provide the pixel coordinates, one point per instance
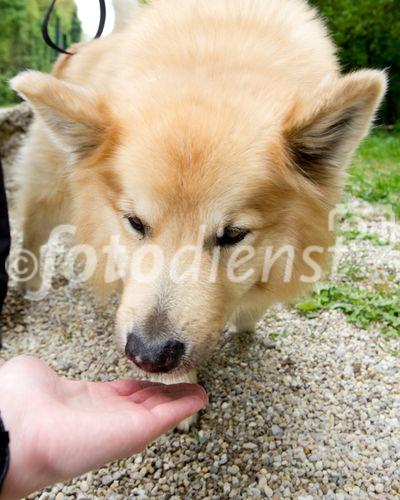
(64, 428)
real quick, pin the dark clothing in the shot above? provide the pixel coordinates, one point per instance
(4, 453)
(4, 240)
(4, 249)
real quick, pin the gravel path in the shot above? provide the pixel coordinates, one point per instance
(313, 414)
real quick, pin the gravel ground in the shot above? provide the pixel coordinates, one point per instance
(313, 413)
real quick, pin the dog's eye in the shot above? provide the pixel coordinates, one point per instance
(231, 236)
(137, 224)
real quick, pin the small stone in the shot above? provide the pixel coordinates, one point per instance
(340, 351)
(210, 447)
(202, 437)
(84, 486)
(139, 492)
(348, 371)
(265, 459)
(269, 344)
(268, 492)
(276, 430)
(106, 480)
(233, 469)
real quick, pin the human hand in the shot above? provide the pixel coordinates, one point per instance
(61, 428)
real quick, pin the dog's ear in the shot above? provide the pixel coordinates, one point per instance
(321, 141)
(76, 118)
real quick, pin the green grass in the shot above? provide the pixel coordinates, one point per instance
(274, 336)
(352, 270)
(362, 307)
(374, 174)
(355, 234)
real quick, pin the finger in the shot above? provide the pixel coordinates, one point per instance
(168, 408)
(129, 386)
(171, 393)
(150, 397)
(153, 394)
(169, 414)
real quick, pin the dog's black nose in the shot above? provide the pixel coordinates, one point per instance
(156, 356)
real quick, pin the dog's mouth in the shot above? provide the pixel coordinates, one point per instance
(152, 368)
(162, 373)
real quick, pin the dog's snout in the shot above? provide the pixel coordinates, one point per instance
(155, 356)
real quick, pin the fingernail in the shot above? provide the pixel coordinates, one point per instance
(204, 394)
(203, 402)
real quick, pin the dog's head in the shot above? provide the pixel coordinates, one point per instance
(203, 201)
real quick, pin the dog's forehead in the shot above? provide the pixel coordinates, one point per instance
(196, 168)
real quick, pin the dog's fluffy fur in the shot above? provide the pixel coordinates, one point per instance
(197, 113)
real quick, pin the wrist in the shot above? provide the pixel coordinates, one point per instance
(14, 481)
(26, 470)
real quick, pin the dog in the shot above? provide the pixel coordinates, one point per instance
(229, 116)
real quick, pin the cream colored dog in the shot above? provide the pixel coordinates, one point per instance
(228, 118)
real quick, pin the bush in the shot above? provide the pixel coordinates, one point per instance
(368, 35)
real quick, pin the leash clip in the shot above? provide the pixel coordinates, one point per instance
(46, 21)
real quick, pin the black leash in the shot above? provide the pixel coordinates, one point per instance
(46, 21)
